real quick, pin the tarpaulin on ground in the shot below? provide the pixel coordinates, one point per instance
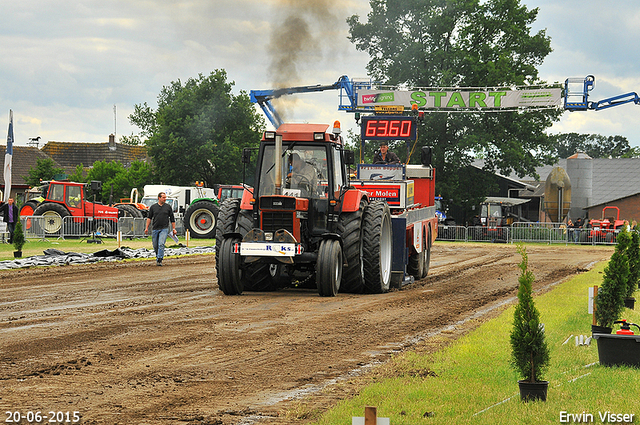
(55, 257)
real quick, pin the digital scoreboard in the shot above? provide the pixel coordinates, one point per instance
(388, 128)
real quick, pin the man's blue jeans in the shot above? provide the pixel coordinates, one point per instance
(158, 238)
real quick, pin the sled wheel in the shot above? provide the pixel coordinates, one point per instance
(427, 256)
(415, 266)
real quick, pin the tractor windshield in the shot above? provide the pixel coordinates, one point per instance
(491, 210)
(304, 172)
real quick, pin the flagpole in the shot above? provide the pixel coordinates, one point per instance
(8, 159)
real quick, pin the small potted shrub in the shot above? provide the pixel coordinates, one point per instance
(633, 256)
(18, 239)
(529, 350)
(610, 300)
(619, 281)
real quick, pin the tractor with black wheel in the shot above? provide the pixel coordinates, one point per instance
(61, 199)
(304, 224)
(197, 206)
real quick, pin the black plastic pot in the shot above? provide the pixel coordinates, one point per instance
(595, 329)
(629, 302)
(618, 350)
(17, 254)
(532, 391)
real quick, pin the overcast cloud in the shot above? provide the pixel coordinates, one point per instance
(65, 65)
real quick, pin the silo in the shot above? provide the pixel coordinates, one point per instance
(557, 194)
(580, 171)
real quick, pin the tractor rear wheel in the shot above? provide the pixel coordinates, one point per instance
(200, 219)
(129, 213)
(377, 247)
(329, 268)
(53, 215)
(350, 228)
(230, 272)
(126, 210)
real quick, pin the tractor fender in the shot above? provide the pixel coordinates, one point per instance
(351, 200)
(215, 201)
(336, 237)
(245, 203)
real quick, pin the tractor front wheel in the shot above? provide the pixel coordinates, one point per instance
(229, 271)
(329, 268)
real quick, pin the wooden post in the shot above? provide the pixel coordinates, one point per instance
(119, 237)
(186, 237)
(370, 415)
(595, 295)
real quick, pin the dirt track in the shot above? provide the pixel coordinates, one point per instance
(133, 343)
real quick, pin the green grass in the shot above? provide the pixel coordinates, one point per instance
(37, 246)
(471, 381)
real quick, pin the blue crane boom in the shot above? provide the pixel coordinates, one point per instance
(577, 96)
(348, 96)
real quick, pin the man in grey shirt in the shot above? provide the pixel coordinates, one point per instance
(161, 215)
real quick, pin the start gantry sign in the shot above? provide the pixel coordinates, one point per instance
(451, 99)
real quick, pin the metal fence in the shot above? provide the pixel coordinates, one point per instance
(549, 233)
(42, 227)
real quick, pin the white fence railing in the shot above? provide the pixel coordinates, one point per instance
(41, 227)
(529, 232)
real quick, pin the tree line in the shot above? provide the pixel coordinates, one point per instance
(199, 127)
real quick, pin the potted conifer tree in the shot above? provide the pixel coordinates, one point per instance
(18, 239)
(617, 349)
(529, 350)
(633, 256)
(610, 300)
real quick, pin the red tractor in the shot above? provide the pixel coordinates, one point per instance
(225, 191)
(60, 199)
(605, 229)
(305, 224)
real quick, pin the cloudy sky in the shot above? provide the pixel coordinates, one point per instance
(73, 71)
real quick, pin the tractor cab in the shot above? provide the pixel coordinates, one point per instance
(302, 173)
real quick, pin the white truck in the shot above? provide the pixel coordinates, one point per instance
(196, 206)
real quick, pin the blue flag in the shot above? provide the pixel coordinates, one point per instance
(7, 159)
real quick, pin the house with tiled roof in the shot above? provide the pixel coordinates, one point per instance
(24, 158)
(71, 154)
(67, 155)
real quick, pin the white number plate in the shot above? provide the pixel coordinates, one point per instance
(269, 249)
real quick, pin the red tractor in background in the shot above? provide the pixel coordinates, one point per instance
(224, 191)
(60, 199)
(604, 229)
